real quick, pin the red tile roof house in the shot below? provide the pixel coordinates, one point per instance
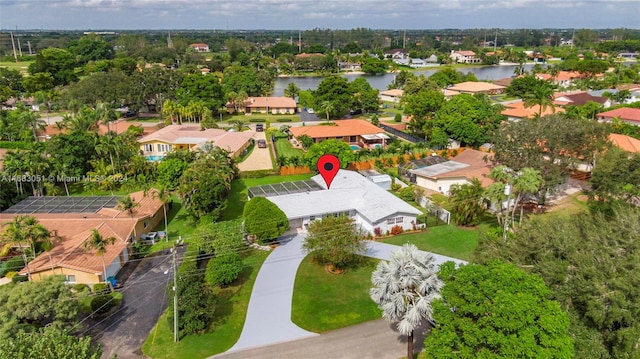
(156, 145)
(626, 143)
(517, 111)
(200, 47)
(474, 87)
(73, 228)
(354, 132)
(625, 114)
(465, 57)
(274, 105)
(579, 99)
(462, 169)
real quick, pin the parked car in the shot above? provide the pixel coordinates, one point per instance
(310, 110)
(262, 144)
(130, 113)
(259, 127)
(149, 238)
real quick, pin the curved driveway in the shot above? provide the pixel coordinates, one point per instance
(268, 318)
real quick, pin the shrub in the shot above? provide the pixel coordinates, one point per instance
(257, 174)
(101, 288)
(117, 298)
(10, 275)
(407, 194)
(395, 230)
(81, 287)
(14, 264)
(254, 120)
(377, 231)
(10, 145)
(223, 270)
(19, 278)
(397, 117)
(102, 303)
(374, 120)
(284, 120)
(264, 219)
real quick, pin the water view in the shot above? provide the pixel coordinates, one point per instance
(381, 82)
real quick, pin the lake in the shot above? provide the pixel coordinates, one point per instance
(381, 82)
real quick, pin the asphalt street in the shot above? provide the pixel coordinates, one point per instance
(144, 300)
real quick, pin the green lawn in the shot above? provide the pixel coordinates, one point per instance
(284, 148)
(449, 241)
(230, 313)
(238, 195)
(324, 301)
(20, 65)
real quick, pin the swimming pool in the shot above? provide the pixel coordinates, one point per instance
(154, 158)
(355, 147)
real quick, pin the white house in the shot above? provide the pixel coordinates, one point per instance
(464, 57)
(350, 194)
(393, 95)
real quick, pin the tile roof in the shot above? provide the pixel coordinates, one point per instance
(626, 143)
(73, 229)
(624, 113)
(194, 135)
(518, 110)
(272, 102)
(342, 128)
(465, 53)
(392, 93)
(473, 86)
(577, 99)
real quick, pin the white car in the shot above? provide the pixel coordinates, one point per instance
(311, 110)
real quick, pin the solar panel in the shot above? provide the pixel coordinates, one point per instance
(90, 204)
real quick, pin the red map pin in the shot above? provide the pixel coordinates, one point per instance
(328, 166)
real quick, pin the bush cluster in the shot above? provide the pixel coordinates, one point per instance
(224, 269)
(395, 230)
(102, 303)
(14, 264)
(264, 219)
(256, 120)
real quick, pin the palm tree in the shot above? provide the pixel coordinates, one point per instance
(327, 107)
(105, 114)
(292, 90)
(404, 289)
(466, 200)
(25, 230)
(99, 243)
(238, 125)
(541, 96)
(127, 204)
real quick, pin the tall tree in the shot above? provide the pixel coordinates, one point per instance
(541, 96)
(404, 289)
(127, 204)
(292, 90)
(467, 202)
(497, 311)
(100, 244)
(335, 240)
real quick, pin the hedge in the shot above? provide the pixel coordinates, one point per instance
(284, 120)
(101, 288)
(10, 145)
(264, 219)
(223, 270)
(14, 264)
(257, 174)
(102, 303)
(257, 120)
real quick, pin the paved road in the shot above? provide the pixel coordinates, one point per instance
(259, 159)
(269, 313)
(123, 333)
(377, 339)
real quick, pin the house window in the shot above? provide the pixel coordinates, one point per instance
(399, 219)
(312, 218)
(164, 147)
(148, 147)
(70, 278)
(146, 224)
(391, 221)
(352, 139)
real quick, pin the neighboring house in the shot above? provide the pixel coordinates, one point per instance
(350, 194)
(626, 143)
(156, 145)
(517, 111)
(349, 66)
(562, 78)
(433, 59)
(464, 57)
(625, 114)
(579, 99)
(395, 54)
(71, 221)
(474, 87)
(119, 127)
(273, 105)
(200, 47)
(393, 95)
(461, 169)
(354, 132)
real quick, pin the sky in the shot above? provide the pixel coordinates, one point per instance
(309, 14)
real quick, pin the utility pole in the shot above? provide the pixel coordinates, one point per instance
(29, 43)
(507, 191)
(19, 47)
(13, 45)
(175, 296)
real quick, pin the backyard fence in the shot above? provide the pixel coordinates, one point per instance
(439, 212)
(406, 136)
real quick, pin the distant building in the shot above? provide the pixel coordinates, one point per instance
(393, 95)
(579, 99)
(474, 87)
(517, 111)
(200, 47)
(625, 114)
(355, 132)
(464, 57)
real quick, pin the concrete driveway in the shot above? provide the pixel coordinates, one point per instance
(259, 159)
(122, 333)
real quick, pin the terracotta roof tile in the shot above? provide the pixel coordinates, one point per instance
(518, 110)
(341, 129)
(193, 135)
(272, 102)
(626, 143)
(623, 113)
(474, 86)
